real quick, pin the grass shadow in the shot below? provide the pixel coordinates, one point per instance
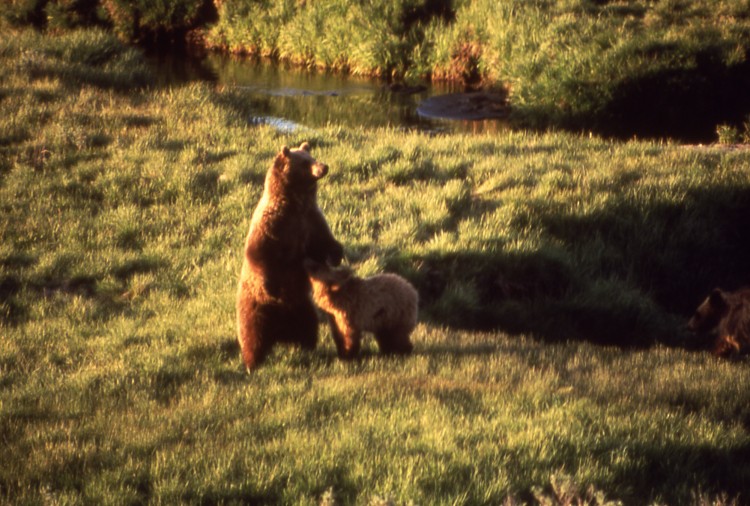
(20, 290)
(685, 103)
(674, 252)
(627, 275)
(456, 350)
(710, 470)
(12, 310)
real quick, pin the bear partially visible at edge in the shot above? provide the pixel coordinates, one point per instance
(385, 304)
(274, 299)
(728, 315)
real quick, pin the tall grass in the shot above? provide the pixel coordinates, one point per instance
(669, 68)
(619, 68)
(373, 38)
(123, 213)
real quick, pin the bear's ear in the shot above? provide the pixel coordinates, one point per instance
(717, 298)
(281, 161)
(286, 151)
(345, 273)
(305, 146)
(339, 277)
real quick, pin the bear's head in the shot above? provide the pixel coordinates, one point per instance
(710, 312)
(297, 168)
(332, 278)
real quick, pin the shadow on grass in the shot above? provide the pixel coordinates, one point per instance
(76, 75)
(12, 310)
(661, 472)
(15, 292)
(455, 350)
(685, 103)
(628, 275)
(655, 477)
(20, 290)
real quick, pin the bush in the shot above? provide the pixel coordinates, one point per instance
(159, 21)
(54, 14)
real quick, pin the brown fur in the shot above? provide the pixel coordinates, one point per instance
(385, 305)
(728, 314)
(274, 301)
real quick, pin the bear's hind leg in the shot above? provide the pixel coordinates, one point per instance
(253, 356)
(305, 327)
(252, 346)
(251, 334)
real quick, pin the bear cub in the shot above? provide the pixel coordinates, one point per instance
(274, 296)
(385, 304)
(728, 314)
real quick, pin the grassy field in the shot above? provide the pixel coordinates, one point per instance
(556, 274)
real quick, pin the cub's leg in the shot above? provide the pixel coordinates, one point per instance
(394, 341)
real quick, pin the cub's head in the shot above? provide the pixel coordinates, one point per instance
(710, 312)
(298, 168)
(331, 278)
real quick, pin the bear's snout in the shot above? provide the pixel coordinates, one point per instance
(319, 170)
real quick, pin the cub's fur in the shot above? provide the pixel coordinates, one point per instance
(386, 305)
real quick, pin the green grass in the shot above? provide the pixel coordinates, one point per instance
(668, 68)
(556, 273)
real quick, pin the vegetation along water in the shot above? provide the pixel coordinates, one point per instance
(556, 272)
(676, 68)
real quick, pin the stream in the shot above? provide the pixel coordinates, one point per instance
(290, 98)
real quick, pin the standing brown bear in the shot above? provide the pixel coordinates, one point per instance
(274, 302)
(729, 314)
(385, 305)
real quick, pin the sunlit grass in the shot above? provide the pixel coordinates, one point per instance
(555, 273)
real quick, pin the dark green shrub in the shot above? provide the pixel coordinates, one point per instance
(24, 12)
(157, 21)
(54, 14)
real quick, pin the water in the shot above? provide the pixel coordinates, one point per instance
(290, 98)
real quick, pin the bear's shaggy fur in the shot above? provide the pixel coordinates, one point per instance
(727, 313)
(385, 304)
(274, 302)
